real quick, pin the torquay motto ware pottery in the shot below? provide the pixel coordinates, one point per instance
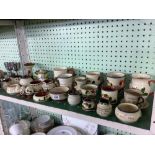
(59, 93)
(15, 79)
(89, 90)
(41, 75)
(41, 96)
(116, 79)
(93, 77)
(37, 85)
(109, 93)
(25, 81)
(88, 104)
(28, 67)
(133, 96)
(74, 98)
(128, 112)
(59, 70)
(79, 81)
(5, 83)
(142, 82)
(66, 80)
(48, 85)
(104, 108)
(13, 89)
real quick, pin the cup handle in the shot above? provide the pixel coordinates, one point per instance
(140, 100)
(151, 81)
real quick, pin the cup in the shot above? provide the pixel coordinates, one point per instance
(109, 93)
(133, 96)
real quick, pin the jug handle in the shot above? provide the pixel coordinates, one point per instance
(151, 81)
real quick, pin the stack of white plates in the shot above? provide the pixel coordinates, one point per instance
(39, 133)
(63, 130)
(42, 124)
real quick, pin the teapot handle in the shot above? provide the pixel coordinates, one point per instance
(151, 81)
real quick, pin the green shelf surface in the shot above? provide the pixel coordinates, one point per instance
(143, 123)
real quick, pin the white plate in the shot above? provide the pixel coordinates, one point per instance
(63, 130)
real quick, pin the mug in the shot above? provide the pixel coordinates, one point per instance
(133, 96)
(109, 93)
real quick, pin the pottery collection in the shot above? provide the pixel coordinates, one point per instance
(83, 91)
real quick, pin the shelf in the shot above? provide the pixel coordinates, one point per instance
(63, 108)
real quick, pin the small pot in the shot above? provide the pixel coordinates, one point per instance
(59, 70)
(66, 80)
(36, 85)
(41, 96)
(29, 90)
(109, 93)
(116, 80)
(29, 67)
(15, 79)
(74, 98)
(93, 77)
(59, 93)
(79, 81)
(88, 104)
(5, 83)
(42, 75)
(89, 90)
(143, 83)
(133, 96)
(48, 85)
(128, 112)
(13, 89)
(25, 81)
(104, 108)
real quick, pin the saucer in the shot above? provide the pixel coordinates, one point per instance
(143, 105)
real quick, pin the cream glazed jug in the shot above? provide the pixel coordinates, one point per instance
(142, 82)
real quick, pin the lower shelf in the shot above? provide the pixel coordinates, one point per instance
(63, 108)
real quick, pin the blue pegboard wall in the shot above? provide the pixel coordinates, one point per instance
(8, 46)
(102, 45)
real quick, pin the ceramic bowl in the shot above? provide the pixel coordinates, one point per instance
(41, 96)
(19, 129)
(89, 90)
(74, 99)
(66, 80)
(48, 85)
(5, 83)
(37, 85)
(116, 80)
(13, 89)
(59, 93)
(25, 81)
(128, 112)
(59, 70)
(93, 77)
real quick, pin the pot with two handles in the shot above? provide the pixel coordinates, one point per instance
(143, 83)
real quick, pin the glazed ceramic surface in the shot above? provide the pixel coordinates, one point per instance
(128, 112)
(79, 81)
(142, 82)
(1, 74)
(66, 80)
(89, 90)
(28, 67)
(93, 77)
(5, 83)
(74, 99)
(59, 93)
(109, 93)
(59, 70)
(25, 81)
(42, 75)
(104, 108)
(88, 104)
(41, 96)
(116, 79)
(13, 89)
(15, 79)
(29, 90)
(37, 86)
(48, 85)
(133, 96)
